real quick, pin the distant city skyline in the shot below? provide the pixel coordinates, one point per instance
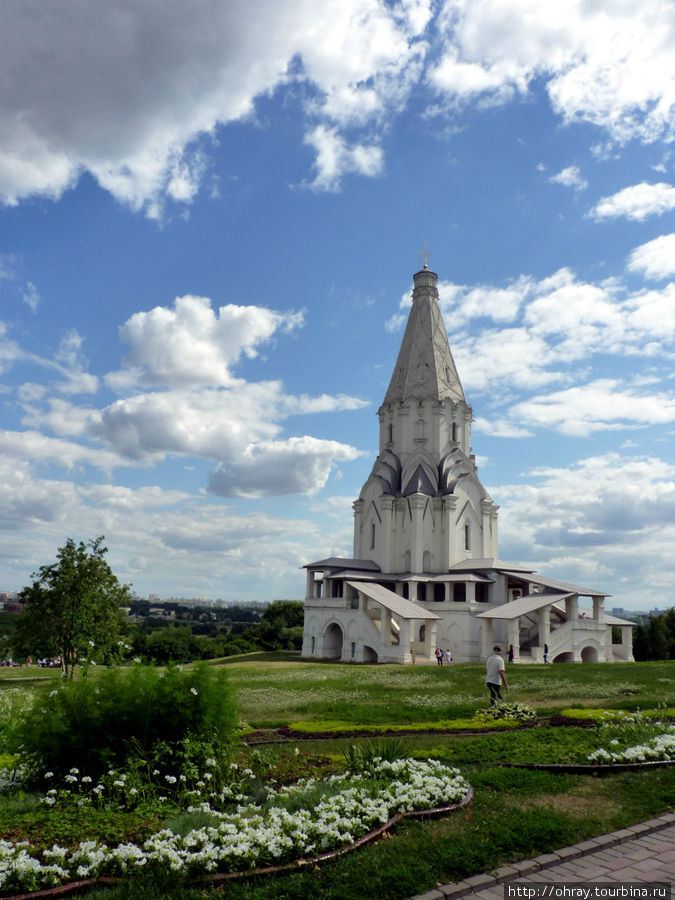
(207, 242)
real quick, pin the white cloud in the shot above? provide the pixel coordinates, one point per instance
(602, 405)
(655, 259)
(636, 202)
(271, 468)
(133, 93)
(195, 406)
(570, 177)
(610, 64)
(335, 158)
(38, 447)
(190, 345)
(603, 518)
(31, 296)
(10, 351)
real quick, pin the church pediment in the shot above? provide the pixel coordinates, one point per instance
(420, 483)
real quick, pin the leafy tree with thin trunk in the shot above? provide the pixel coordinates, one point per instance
(73, 605)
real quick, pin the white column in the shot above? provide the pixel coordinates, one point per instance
(417, 504)
(513, 638)
(448, 532)
(357, 506)
(486, 636)
(387, 554)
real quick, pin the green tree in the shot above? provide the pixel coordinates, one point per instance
(73, 605)
(281, 625)
(658, 637)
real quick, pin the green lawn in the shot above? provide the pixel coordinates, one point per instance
(516, 813)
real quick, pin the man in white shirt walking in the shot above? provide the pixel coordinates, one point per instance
(495, 675)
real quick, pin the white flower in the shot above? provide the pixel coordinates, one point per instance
(194, 691)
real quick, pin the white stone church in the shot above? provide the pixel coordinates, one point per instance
(426, 572)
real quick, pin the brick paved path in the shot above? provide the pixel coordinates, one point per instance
(644, 853)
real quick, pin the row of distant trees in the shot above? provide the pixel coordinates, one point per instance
(654, 637)
(72, 611)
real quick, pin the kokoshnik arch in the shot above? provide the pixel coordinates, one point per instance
(426, 571)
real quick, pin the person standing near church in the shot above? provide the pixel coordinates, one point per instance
(495, 675)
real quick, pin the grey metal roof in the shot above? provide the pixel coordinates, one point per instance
(493, 563)
(615, 620)
(523, 606)
(339, 562)
(391, 601)
(566, 587)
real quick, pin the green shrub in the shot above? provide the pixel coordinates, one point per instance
(519, 712)
(97, 724)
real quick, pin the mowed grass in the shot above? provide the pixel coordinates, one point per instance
(284, 690)
(515, 814)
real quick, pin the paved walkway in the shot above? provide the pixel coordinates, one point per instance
(643, 853)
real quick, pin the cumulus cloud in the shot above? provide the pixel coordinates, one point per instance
(655, 259)
(25, 499)
(570, 177)
(335, 158)
(270, 468)
(608, 64)
(180, 398)
(601, 405)
(190, 345)
(165, 541)
(604, 517)
(133, 92)
(637, 202)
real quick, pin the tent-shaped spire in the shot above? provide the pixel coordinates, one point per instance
(425, 368)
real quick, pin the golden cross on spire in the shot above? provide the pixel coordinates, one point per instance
(425, 256)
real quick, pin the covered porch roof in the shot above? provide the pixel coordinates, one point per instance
(523, 606)
(401, 607)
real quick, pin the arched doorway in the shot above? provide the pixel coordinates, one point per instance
(589, 654)
(332, 642)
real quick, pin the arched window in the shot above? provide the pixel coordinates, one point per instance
(423, 633)
(372, 535)
(426, 561)
(419, 430)
(390, 433)
(454, 431)
(467, 536)
(407, 560)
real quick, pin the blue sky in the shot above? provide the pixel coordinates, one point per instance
(210, 214)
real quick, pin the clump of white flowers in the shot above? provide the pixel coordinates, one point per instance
(249, 837)
(654, 749)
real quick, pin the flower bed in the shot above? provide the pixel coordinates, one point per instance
(245, 837)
